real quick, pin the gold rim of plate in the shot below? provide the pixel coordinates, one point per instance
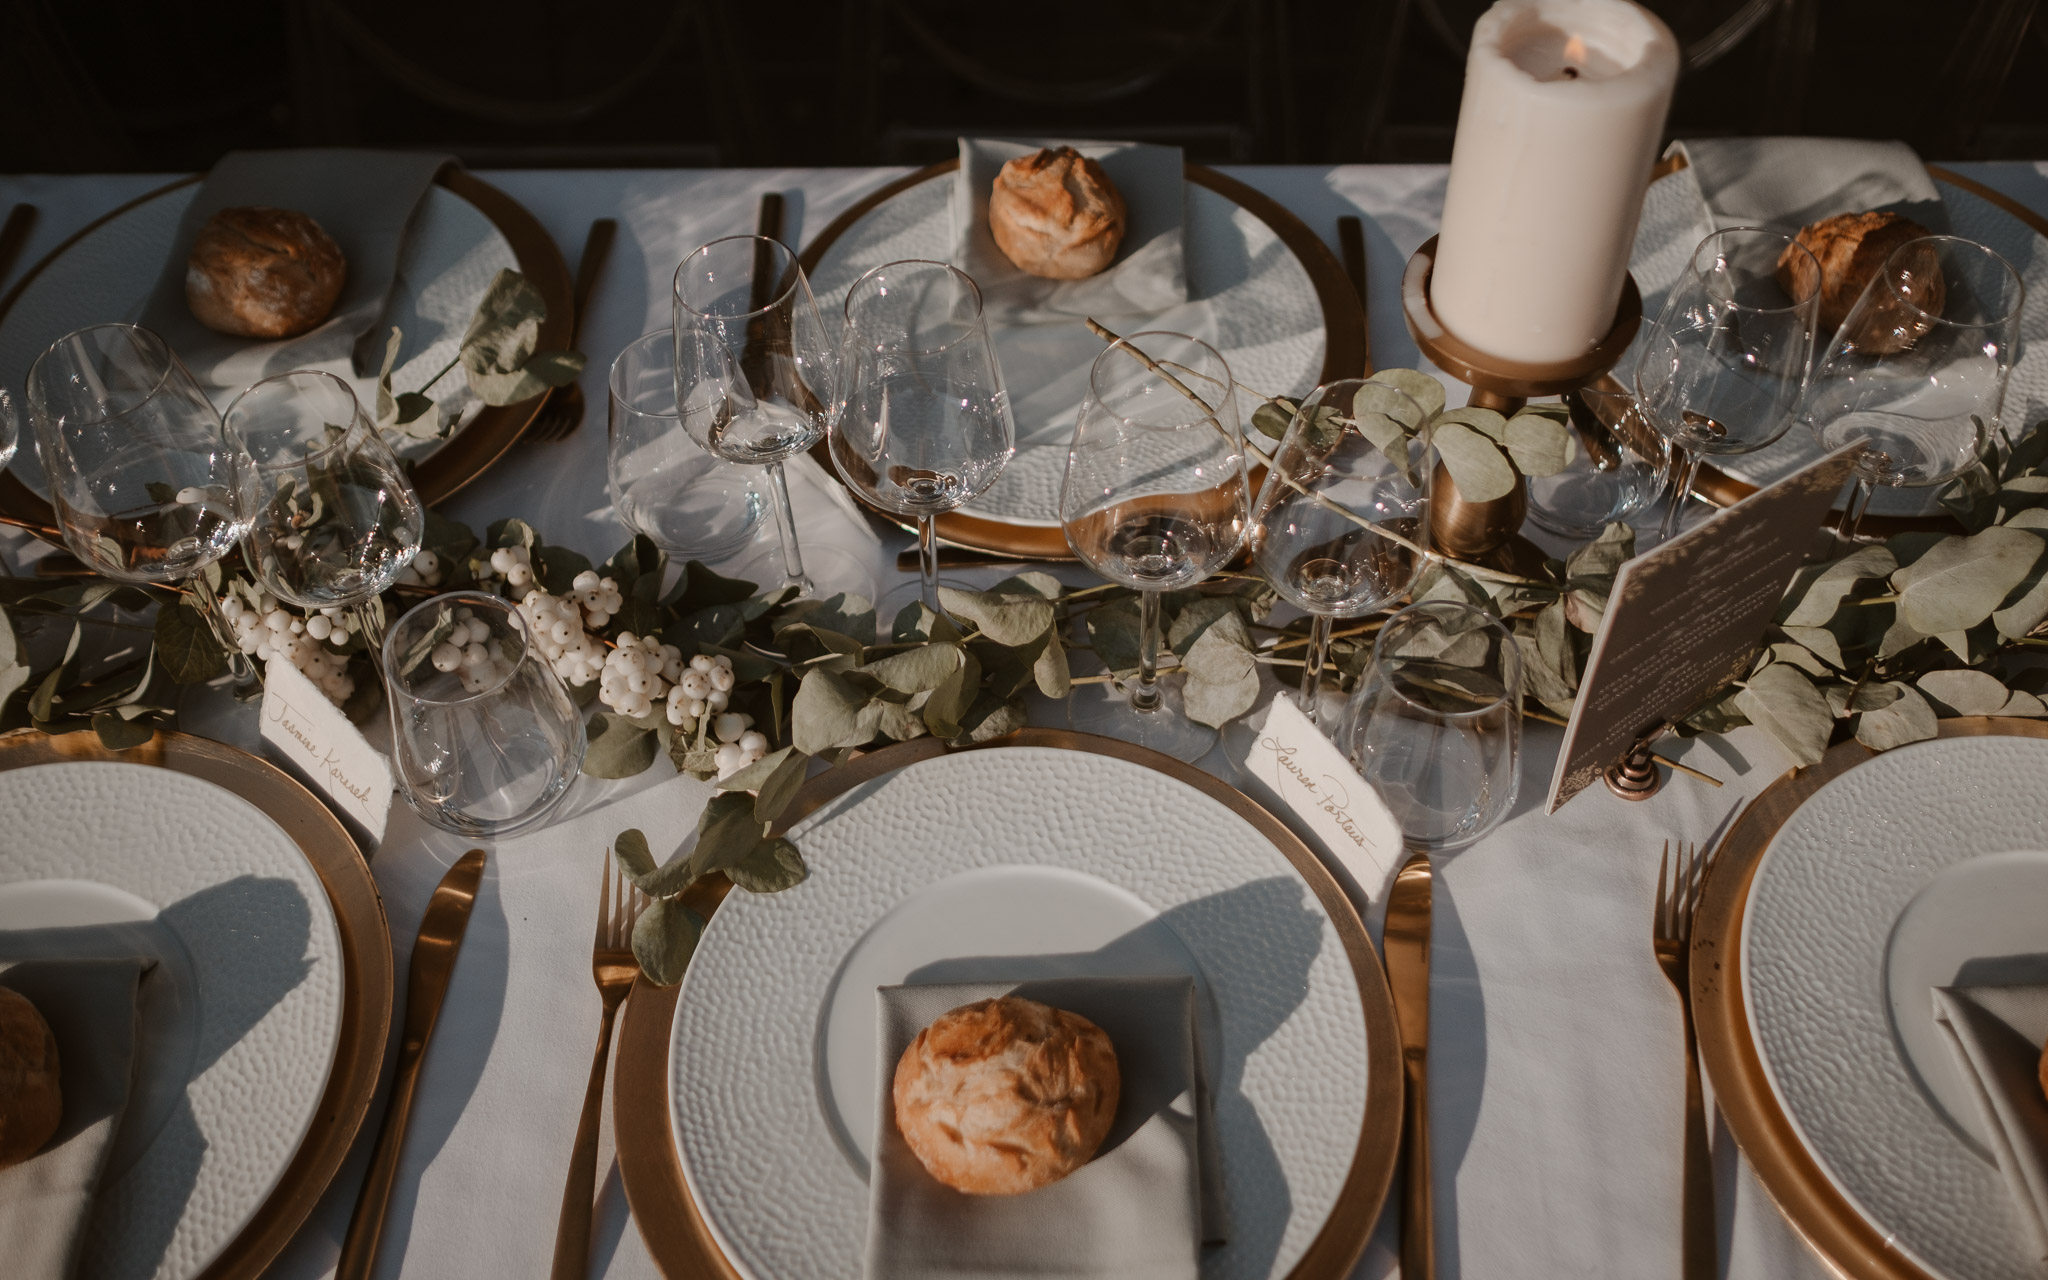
(651, 1168)
(1822, 1215)
(461, 458)
(366, 992)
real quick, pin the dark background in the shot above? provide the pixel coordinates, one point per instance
(171, 84)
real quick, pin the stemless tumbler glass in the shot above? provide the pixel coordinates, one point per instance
(664, 485)
(923, 424)
(486, 738)
(1339, 527)
(1725, 365)
(1917, 371)
(754, 377)
(1436, 726)
(1154, 498)
(336, 520)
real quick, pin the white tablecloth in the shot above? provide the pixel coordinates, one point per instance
(1555, 1072)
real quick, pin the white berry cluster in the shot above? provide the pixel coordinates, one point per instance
(739, 745)
(512, 565)
(472, 653)
(423, 570)
(315, 644)
(556, 627)
(638, 672)
(705, 688)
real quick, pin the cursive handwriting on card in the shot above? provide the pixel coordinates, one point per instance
(1309, 776)
(332, 753)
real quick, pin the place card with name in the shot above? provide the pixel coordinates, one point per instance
(1687, 617)
(313, 734)
(1310, 778)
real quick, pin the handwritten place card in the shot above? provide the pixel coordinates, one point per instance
(1685, 618)
(313, 734)
(1311, 779)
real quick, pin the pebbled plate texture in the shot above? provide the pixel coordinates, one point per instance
(746, 1070)
(1820, 912)
(239, 1021)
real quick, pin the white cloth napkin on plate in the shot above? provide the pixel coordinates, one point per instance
(1149, 272)
(365, 200)
(1789, 182)
(1997, 1033)
(46, 1201)
(1140, 1210)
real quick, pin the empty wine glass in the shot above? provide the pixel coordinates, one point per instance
(754, 378)
(1436, 726)
(664, 485)
(147, 485)
(1725, 366)
(1618, 470)
(336, 520)
(923, 424)
(1917, 371)
(1338, 528)
(486, 740)
(1154, 498)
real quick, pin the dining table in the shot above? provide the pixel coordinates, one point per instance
(1556, 1076)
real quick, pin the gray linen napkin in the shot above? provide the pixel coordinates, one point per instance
(1149, 272)
(1789, 182)
(46, 1201)
(364, 199)
(1997, 1033)
(1140, 1210)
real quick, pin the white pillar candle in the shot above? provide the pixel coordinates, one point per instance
(1564, 107)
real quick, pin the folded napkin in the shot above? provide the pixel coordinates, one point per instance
(1140, 1210)
(1789, 182)
(1149, 272)
(1997, 1033)
(46, 1201)
(364, 199)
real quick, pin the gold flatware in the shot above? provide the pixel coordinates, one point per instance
(563, 412)
(14, 235)
(1406, 943)
(1678, 897)
(613, 967)
(1351, 244)
(426, 982)
(954, 558)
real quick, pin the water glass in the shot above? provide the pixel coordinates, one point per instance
(1436, 726)
(485, 737)
(1617, 471)
(664, 485)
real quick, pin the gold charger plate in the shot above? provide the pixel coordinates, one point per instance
(365, 952)
(651, 1168)
(463, 456)
(1346, 353)
(1822, 1215)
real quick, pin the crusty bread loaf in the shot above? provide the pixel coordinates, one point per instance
(263, 273)
(31, 1103)
(1004, 1096)
(1851, 248)
(1056, 214)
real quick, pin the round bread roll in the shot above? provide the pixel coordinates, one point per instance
(1850, 249)
(1004, 1096)
(31, 1104)
(1056, 214)
(263, 273)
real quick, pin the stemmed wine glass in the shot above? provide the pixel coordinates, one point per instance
(754, 377)
(923, 424)
(336, 520)
(1154, 498)
(1726, 364)
(147, 485)
(1917, 371)
(1339, 527)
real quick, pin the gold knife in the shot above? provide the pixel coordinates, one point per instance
(433, 962)
(1406, 943)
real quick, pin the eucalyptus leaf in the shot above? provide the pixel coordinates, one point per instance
(119, 734)
(1007, 620)
(990, 717)
(1030, 582)
(726, 831)
(1909, 719)
(1539, 442)
(1222, 673)
(556, 368)
(699, 587)
(950, 702)
(184, 644)
(635, 858)
(1424, 390)
(1962, 579)
(1271, 418)
(896, 721)
(1485, 422)
(1819, 642)
(756, 775)
(1964, 692)
(617, 748)
(1786, 704)
(1050, 672)
(1196, 618)
(1802, 657)
(2022, 703)
(1599, 560)
(844, 614)
(918, 670)
(1481, 470)
(828, 714)
(1115, 633)
(774, 795)
(771, 866)
(1815, 597)
(14, 670)
(500, 337)
(664, 938)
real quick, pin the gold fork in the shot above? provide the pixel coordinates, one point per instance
(612, 964)
(1678, 895)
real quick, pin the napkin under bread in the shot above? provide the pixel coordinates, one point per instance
(1140, 1210)
(1149, 273)
(1997, 1033)
(46, 1201)
(365, 200)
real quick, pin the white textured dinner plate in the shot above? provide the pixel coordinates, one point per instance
(1249, 297)
(239, 1020)
(990, 864)
(1820, 915)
